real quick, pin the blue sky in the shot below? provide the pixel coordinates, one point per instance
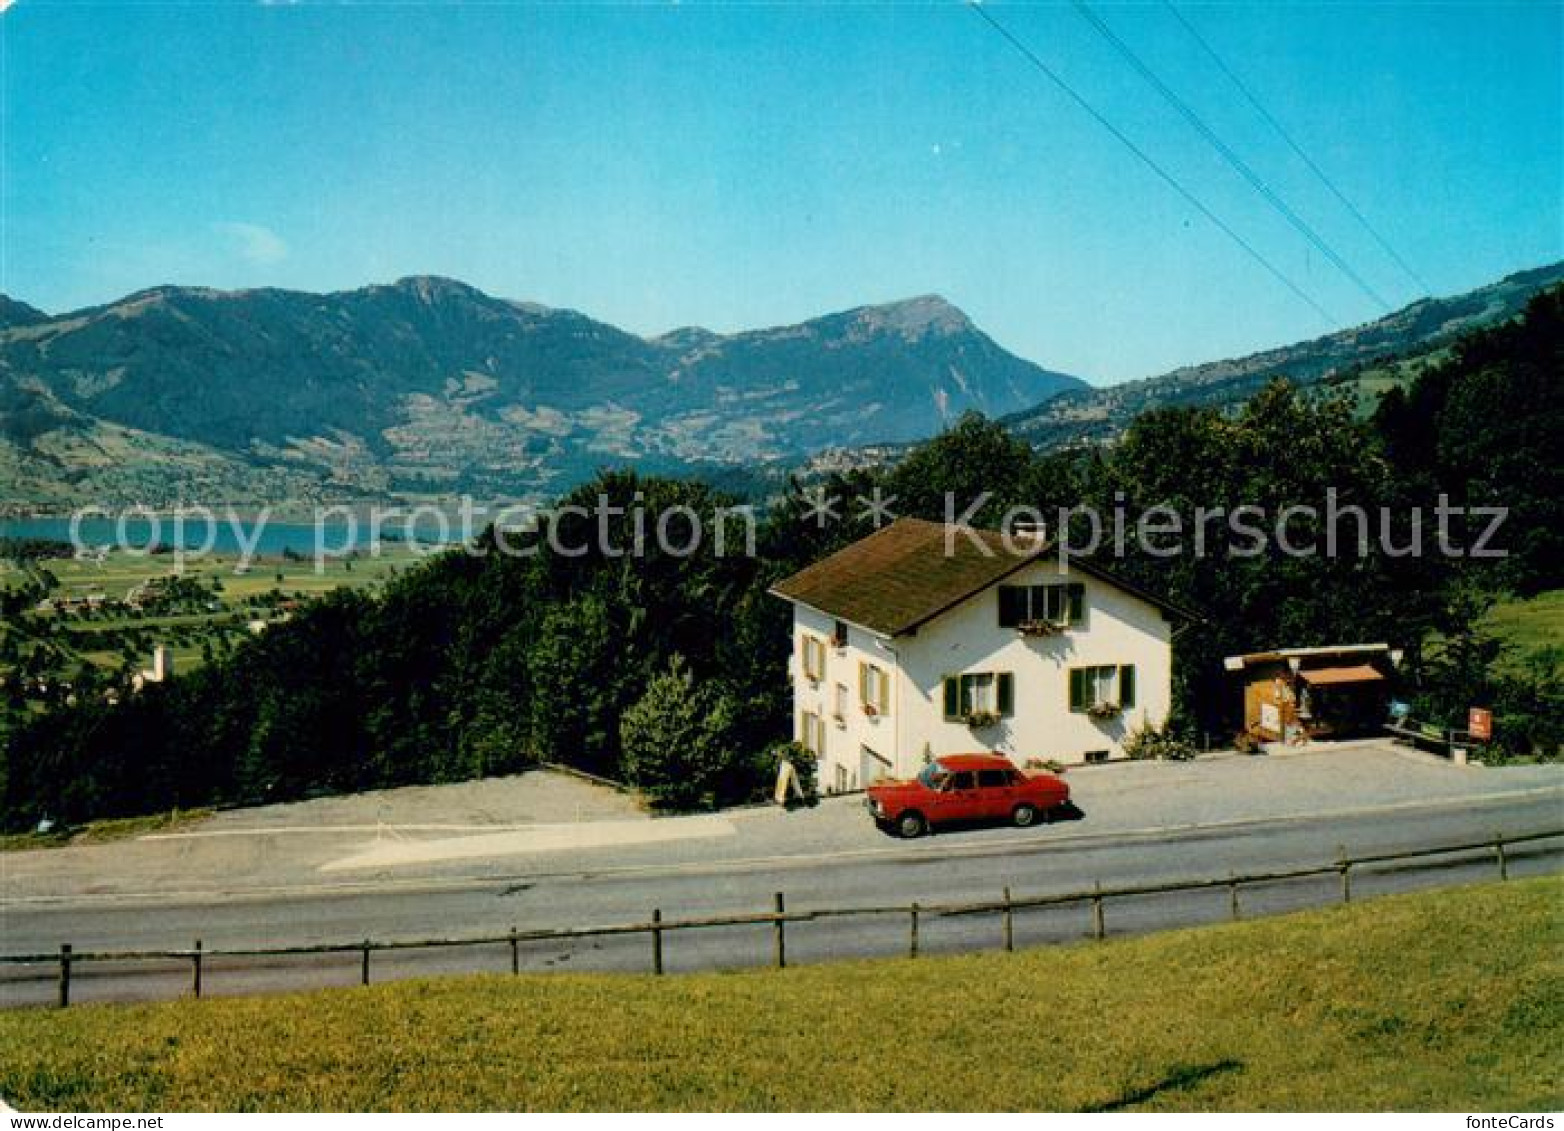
(742, 166)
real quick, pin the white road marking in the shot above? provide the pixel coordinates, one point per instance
(538, 838)
(379, 828)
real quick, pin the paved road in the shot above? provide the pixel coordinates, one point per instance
(971, 865)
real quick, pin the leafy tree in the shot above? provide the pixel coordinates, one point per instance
(677, 738)
(973, 458)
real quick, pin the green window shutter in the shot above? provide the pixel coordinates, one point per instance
(1077, 602)
(952, 697)
(1006, 693)
(1127, 685)
(1077, 689)
(1010, 606)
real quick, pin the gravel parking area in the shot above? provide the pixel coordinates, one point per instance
(520, 799)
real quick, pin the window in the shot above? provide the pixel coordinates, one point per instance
(979, 693)
(963, 779)
(839, 710)
(1094, 756)
(1102, 686)
(843, 782)
(874, 689)
(933, 776)
(813, 654)
(993, 779)
(839, 634)
(1051, 604)
(811, 733)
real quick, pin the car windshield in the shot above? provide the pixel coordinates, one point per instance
(933, 776)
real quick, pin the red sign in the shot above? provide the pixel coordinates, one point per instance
(1479, 723)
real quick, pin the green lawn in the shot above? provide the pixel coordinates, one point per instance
(1452, 1000)
(120, 572)
(1528, 626)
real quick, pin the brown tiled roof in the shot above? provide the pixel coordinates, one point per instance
(901, 576)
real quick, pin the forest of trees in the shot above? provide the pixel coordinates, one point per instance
(671, 671)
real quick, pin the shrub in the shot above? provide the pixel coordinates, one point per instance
(675, 739)
(1162, 743)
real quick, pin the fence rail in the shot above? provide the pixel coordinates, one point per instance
(778, 917)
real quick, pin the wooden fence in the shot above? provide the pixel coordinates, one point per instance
(778, 917)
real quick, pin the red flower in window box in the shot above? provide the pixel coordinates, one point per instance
(1038, 628)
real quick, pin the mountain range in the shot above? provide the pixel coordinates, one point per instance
(428, 386)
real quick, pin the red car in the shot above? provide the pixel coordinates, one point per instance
(965, 787)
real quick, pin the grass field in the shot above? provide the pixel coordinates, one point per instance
(91, 638)
(1443, 1001)
(1528, 626)
(121, 571)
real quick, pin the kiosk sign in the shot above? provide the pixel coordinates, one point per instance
(1479, 723)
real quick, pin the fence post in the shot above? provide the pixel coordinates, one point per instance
(912, 932)
(195, 969)
(1346, 876)
(1232, 896)
(780, 930)
(1009, 924)
(515, 953)
(1504, 862)
(1099, 927)
(65, 975)
(363, 973)
(657, 940)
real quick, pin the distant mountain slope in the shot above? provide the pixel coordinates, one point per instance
(1423, 327)
(430, 385)
(13, 313)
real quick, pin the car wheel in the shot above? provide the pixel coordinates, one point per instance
(911, 825)
(1025, 816)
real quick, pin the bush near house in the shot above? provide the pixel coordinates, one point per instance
(1161, 743)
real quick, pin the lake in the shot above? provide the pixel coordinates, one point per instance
(222, 536)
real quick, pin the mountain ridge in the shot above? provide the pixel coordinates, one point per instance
(1425, 325)
(428, 385)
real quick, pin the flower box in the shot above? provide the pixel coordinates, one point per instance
(1103, 710)
(1038, 628)
(980, 719)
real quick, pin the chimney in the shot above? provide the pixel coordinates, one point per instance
(162, 663)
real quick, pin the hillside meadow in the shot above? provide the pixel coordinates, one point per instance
(1444, 1000)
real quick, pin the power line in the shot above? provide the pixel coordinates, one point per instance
(1292, 144)
(1227, 154)
(1146, 159)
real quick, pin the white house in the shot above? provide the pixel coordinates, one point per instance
(919, 641)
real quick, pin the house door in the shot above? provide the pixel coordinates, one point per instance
(871, 767)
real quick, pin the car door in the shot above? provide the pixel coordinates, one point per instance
(996, 793)
(954, 797)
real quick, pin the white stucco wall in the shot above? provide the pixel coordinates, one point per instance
(845, 739)
(1118, 628)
